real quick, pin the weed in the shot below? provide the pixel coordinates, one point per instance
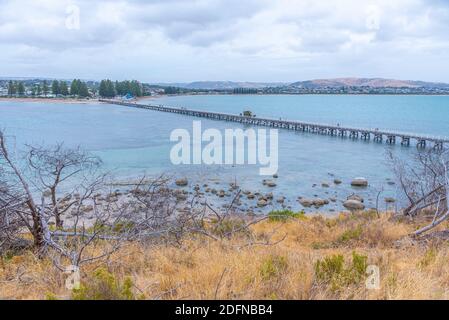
(332, 270)
(273, 267)
(284, 215)
(104, 286)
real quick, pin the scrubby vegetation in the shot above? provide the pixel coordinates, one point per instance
(293, 266)
(283, 215)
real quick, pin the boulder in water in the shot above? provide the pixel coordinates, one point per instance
(306, 202)
(182, 182)
(356, 198)
(390, 200)
(353, 205)
(359, 182)
(262, 203)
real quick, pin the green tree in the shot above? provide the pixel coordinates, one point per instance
(74, 88)
(63, 89)
(45, 88)
(110, 89)
(118, 88)
(55, 87)
(20, 88)
(107, 89)
(11, 88)
(83, 90)
(136, 89)
(171, 90)
(38, 90)
(102, 89)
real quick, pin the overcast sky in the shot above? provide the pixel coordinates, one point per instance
(240, 40)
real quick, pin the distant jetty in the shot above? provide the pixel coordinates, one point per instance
(376, 135)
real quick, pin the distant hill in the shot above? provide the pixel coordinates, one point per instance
(223, 85)
(366, 82)
(310, 84)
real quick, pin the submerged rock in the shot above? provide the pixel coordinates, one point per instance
(269, 183)
(313, 202)
(337, 181)
(320, 202)
(359, 182)
(390, 200)
(353, 205)
(306, 202)
(262, 203)
(182, 182)
(356, 198)
(181, 197)
(280, 200)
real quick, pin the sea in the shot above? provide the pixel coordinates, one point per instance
(134, 142)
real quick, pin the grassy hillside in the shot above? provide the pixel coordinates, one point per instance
(302, 258)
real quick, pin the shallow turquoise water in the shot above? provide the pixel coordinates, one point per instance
(132, 142)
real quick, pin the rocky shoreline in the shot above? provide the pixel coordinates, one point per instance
(253, 201)
(221, 196)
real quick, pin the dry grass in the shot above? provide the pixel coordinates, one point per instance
(206, 269)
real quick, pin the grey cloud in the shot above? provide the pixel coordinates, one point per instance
(176, 38)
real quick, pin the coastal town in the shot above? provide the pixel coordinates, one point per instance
(52, 88)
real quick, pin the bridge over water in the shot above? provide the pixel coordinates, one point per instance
(390, 137)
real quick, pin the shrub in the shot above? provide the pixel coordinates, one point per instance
(122, 227)
(273, 267)
(50, 296)
(348, 235)
(320, 245)
(359, 265)
(104, 286)
(332, 270)
(284, 215)
(428, 258)
(227, 227)
(119, 227)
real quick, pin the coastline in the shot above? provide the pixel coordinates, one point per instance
(63, 100)
(96, 100)
(50, 100)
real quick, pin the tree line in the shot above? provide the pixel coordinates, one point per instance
(244, 91)
(109, 89)
(106, 89)
(77, 88)
(16, 87)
